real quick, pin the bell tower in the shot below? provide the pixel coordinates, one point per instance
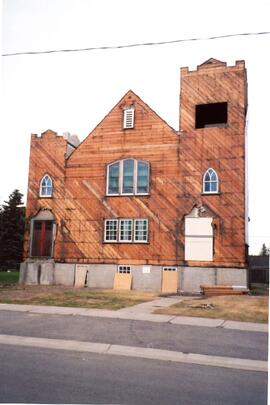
(213, 105)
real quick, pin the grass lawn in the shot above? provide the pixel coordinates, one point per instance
(69, 297)
(11, 277)
(245, 308)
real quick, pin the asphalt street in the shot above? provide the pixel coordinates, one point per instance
(32, 375)
(187, 339)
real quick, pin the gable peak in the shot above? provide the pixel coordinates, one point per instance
(212, 62)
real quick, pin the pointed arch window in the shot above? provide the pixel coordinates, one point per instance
(210, 182)
(46, 186)
(128, 177)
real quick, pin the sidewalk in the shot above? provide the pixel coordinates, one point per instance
(141, 312)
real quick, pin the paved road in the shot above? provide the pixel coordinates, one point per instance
(188, 339)
(32, 375)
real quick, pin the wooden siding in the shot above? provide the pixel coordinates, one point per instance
(177, 164)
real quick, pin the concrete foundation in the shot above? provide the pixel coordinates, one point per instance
(144, 277)
(64, 273)
(191, 278)
(101, 275)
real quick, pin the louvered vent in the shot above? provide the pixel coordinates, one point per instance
(129, 118)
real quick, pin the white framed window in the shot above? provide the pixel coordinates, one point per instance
(140, 230)
(169, 268)
(46, 186)
(111, 230)
(124, 269)
(128, 177)
(126, 230)
(128, 118)
(210, 181)
(113, 176)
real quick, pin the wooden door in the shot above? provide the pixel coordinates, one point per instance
(169, 280)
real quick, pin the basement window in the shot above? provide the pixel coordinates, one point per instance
(211, 115)
(124, 269)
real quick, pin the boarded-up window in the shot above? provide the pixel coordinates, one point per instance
(42, 239)
(198, 239)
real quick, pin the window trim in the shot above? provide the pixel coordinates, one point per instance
(121, 177)
(40, 187)
(118, 230)
(134, 230)
(204, 182)
(105, 228)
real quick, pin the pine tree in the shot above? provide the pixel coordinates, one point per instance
(12, 219)
(264, 250)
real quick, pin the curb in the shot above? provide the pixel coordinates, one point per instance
(139, 352)
(138, 316)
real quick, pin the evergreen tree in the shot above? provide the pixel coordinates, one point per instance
(264, 250)
(12, 219)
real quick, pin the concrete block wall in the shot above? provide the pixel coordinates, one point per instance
(146, 281)
(101, 275)
(145, 278)
(64, 273)
(191, 278)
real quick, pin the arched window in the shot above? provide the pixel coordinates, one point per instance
(127, 177)
(210, 181)
(46, 186)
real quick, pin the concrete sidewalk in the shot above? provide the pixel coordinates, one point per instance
(141, 312)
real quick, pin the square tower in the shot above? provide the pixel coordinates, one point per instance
(213, 105)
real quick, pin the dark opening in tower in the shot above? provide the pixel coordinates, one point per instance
(211, 115)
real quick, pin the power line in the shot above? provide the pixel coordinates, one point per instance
(104, 48)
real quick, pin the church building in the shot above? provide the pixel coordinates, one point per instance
(139, 204)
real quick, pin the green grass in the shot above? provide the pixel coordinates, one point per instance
(7, 278)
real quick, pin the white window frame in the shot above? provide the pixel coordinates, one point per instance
(121, 175)
(124, 269)
(134, 230)
(128, 118)
(118, 230)
(122, 220)
(204, 181)
(105, 230)
(40, 187)
(169, 268)
(119, 181)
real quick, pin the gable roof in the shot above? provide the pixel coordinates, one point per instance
(213, 62)
(128, 95)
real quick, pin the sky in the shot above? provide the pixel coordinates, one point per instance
(72, 92)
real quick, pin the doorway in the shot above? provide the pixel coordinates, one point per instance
(42, 238)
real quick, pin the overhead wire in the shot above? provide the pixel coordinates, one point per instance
(137, 44)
